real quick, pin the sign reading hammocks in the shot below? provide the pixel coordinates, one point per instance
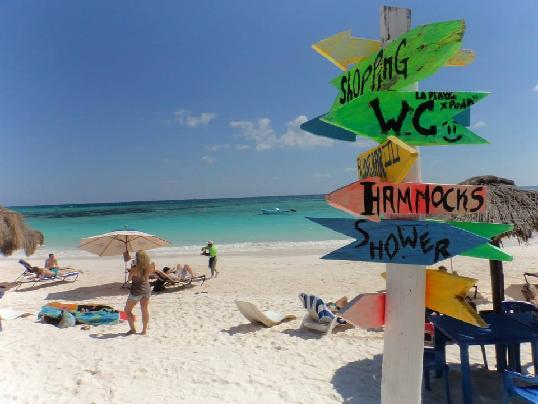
(372, 197)
(417, 118)
(411, 242)
(408, 59)
(390, 161)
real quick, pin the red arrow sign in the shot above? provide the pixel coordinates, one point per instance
(366, 310)
(371, 197)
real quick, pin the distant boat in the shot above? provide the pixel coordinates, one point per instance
(277, 211)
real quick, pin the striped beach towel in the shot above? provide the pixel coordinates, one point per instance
(317, 309)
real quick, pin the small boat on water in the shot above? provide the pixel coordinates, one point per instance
(277, 211)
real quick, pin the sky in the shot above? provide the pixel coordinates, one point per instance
(133, 100)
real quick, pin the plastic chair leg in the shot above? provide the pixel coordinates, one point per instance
(483, 349)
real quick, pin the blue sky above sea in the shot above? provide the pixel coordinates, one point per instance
(132, 100)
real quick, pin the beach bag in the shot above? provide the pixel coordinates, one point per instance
(67, 320)
(158, 285)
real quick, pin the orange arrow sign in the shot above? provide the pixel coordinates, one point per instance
(367, 310)
(371, 197)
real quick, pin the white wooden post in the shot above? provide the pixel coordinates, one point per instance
(403, 345)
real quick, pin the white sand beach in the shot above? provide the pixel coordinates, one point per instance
(200, 349)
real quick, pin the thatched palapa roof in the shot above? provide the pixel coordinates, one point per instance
(506, 203)
(15, 235)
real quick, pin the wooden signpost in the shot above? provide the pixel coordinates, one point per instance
(418, 118)
(365, 106)
(371, 197)
(412, 242)
(343, 49)
(391, 160)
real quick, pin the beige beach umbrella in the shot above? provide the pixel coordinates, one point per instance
(121, 242)
(15, 235)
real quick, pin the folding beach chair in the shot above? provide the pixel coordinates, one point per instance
(30, 276)
(268, 318)
(318, 316)
(173, 281)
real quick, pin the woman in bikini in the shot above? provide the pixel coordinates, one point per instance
(140, 290)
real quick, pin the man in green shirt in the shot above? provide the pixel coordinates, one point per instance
(211, 251)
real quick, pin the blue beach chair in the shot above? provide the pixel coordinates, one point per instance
(526, 388)
(29, 276)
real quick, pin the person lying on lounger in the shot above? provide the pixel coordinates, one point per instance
(48, 273)
(182, 272)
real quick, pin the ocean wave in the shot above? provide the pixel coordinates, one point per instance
(244, 247)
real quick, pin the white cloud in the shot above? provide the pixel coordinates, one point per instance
(535, 88)
(185, 117)
(242, 147)
(350, 169)
(263, 135)
(479, 124)
(209, 160)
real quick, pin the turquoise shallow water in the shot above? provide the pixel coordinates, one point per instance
(184, 223)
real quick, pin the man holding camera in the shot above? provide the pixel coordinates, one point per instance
(211, 251)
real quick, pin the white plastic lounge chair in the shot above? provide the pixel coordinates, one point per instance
(318, 316)
(29, 276)
(268, 318)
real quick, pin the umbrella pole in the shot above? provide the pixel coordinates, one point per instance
(497, 289)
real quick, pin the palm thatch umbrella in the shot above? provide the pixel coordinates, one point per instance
(506, 203)
(15, 235)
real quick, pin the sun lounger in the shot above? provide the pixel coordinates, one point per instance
(176, 281)
(30, 276)
(268, 318)
(318, 316)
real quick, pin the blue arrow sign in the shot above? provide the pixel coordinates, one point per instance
(399, 241)
(320, 128)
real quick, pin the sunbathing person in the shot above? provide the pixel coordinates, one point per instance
(51, 262)
(48, 273)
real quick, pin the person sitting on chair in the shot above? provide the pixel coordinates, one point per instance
(52, 262)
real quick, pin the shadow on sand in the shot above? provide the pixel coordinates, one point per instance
(360, 382)
(27, 287)
(243, 329)
(109, 335)
(89, 292)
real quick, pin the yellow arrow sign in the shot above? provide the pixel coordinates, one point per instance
(343, 50)
(446, 293)
(391, 160)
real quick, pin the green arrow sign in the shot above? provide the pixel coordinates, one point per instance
(417, 118)
(411, 57)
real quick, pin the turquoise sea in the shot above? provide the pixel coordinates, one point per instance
(187, 222)
(236, 223)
